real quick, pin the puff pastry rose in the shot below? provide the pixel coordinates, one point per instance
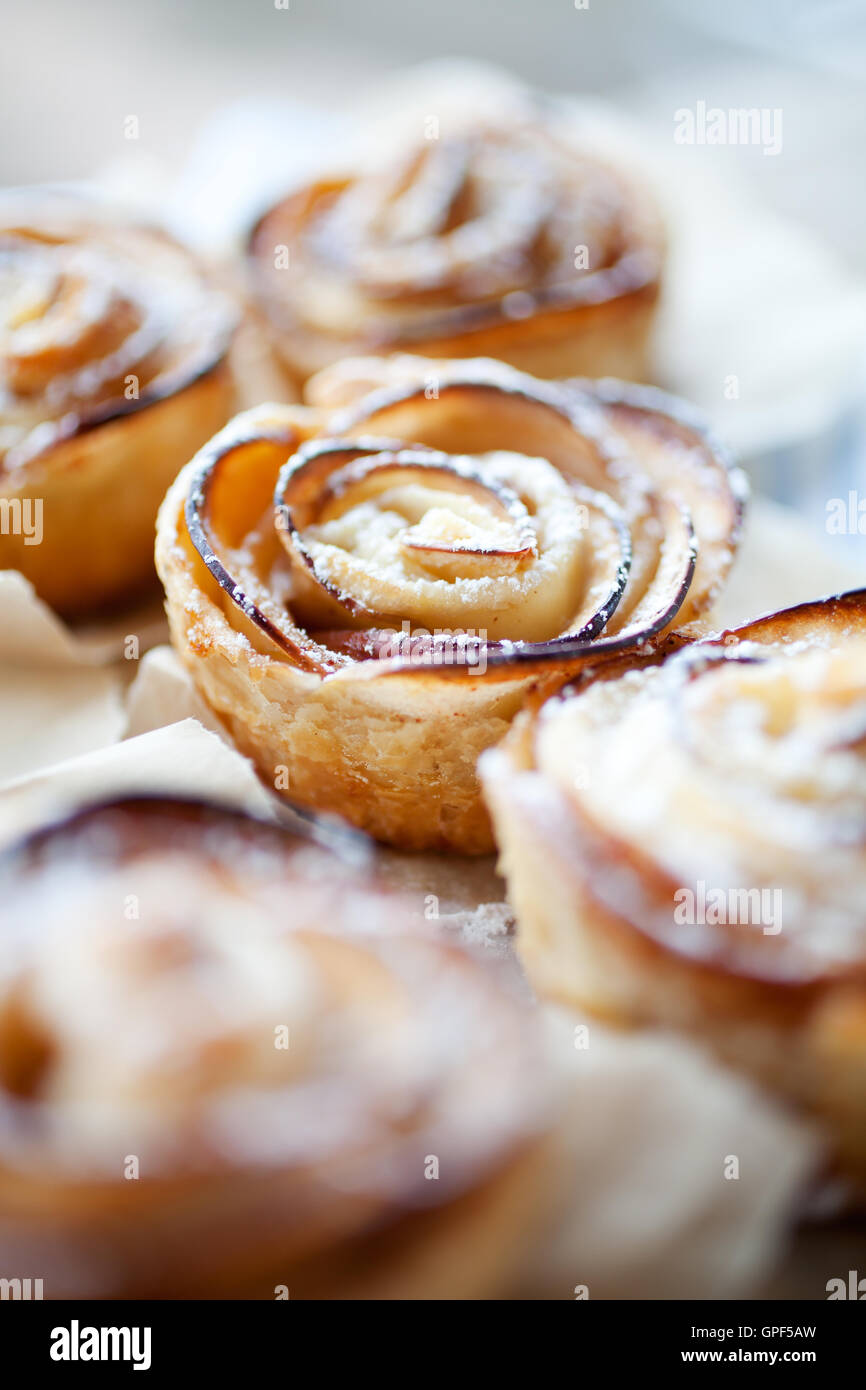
(231, 1067)
(364, 594)
(685, 845)
(499, 237)
(113, 369)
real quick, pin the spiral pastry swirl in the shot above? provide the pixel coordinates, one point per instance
(701, 825)
(499, 238)
(364, 594)
(113, 366)
(228, 1063)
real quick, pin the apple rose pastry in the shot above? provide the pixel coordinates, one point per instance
(112, 371)
(685, 845)
(231, 1067)
(364, 595)
(500, 238)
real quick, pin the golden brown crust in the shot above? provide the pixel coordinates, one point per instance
(113, 366)
(502, 520)
(159, 1137)
(719, 887)
(502, 239)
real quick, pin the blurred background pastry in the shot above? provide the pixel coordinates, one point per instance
(114, 353)
(684, 847)
(490, 236)
(231, 1066)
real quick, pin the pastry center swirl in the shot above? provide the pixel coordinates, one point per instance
(378, 533)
